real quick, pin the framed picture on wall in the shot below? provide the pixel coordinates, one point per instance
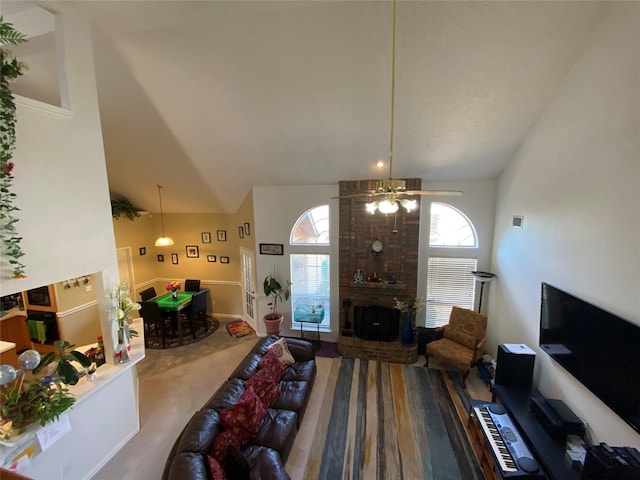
(206, 237)
(143, 251)
(224, 259)
(271, 249)
(161, 258)
(247, 228)
(211, 258)
(174, 258)
(241, 232)
(222, 235)
(192, 251)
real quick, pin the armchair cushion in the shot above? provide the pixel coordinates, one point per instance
(461, 337)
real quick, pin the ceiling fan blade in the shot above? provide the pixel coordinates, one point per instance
(358, 195)
(442, 193)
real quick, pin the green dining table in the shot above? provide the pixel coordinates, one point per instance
(172, 306)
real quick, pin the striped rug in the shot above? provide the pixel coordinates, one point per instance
(391, 421)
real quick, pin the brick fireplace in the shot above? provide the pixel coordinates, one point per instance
(398, 261)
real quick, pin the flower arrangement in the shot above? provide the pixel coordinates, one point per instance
(409, 304)
(173, 286)
(124, 304)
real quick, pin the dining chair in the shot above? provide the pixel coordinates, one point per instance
(191, 285)
(196, 312)
(147, 294)
(153, 320)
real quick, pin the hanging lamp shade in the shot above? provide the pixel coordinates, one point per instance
(162, 241)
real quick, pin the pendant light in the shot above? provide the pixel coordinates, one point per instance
(162, 241)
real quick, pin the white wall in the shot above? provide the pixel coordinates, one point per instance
(276, 209)
(576, 180)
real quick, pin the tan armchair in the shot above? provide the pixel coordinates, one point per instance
(462, 342)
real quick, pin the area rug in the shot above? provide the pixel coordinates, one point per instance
(239, 328)
(327, 349)
(390, 421)
(173, 341)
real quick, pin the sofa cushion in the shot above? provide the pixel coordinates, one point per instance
(235, 436)
(265, 463)
(189, 465)
(301, 371)
(217, 472)
(282, 352)
(200, 431)
(271, 363)
(266, 388)
(293, 395)
(226, 396)
(247, 367)
(247, 413)
(278, 431)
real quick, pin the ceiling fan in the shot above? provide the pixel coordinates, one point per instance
(393, 189)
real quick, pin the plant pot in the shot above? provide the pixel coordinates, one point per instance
(272, 323)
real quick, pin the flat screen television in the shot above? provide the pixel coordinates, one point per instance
(598, 348)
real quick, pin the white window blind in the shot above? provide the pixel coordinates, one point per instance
(311, 286)
(449, 283)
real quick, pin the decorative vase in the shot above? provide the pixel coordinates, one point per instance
(174, 295)
(121, 352)
(407, 329)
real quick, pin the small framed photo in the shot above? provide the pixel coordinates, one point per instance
(174, 258)
(192, 251)
(161, 258)
(247, 228)
(271, 249)
(211, 258)
(222, 235)
(206, 237)
(224, 259)
(143, 251)
(241, 232)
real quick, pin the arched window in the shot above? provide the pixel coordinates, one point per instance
(450, 227)
(310, 274)
(449, 278)
(312, 227)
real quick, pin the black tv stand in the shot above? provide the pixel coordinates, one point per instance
(549, 453)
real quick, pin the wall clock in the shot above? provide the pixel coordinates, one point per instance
(377, 247)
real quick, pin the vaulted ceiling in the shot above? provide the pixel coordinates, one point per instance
(212, 98)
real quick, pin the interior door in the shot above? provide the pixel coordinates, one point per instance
(248, 286)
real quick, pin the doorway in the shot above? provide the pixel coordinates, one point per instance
(248, 287)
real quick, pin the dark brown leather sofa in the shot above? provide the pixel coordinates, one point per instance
(267, 453)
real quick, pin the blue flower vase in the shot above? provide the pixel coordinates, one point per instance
(406, 335)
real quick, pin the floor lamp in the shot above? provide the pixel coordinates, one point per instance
(482, 277)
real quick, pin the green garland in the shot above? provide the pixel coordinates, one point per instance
(11, 69)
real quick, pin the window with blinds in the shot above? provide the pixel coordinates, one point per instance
(449, 283)
(310, 278)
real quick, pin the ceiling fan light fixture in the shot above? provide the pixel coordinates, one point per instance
(372, 207)
(162, 241)
(409, 205)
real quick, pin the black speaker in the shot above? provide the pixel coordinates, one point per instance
(514, 366)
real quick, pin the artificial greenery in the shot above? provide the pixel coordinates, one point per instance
(124, 208)
(39, 400)
(273, 288)
(66, 371)
(11, 69)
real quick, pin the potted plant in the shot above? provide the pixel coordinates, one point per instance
(65, 370)
(122, 207)
(273, 288)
